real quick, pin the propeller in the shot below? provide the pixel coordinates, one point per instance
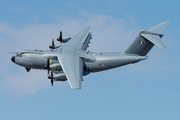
(51, 77)
(52, 46)
(53, 42)
(47, 67)
(60, 37)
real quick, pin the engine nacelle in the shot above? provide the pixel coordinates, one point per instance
(56, 67)
(60, 77)
(65, 39)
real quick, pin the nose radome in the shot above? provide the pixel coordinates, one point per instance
(13, 59)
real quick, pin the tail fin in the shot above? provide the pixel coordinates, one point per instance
(147, 39)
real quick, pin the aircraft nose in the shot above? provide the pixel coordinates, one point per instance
(13, 59)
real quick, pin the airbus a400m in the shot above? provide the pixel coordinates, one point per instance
(70, 59)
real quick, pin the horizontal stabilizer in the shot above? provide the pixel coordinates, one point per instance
(159, 28)
(155, 39)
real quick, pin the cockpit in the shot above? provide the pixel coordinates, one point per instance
(18, 55)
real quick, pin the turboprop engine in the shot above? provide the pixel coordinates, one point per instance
(56, 67)
(57, 77)
(62, 40)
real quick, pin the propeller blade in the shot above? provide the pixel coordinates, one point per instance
(51, 73)
(60, 37)
(47, 67)
(48, 63)
(53, 42)
(52, 81)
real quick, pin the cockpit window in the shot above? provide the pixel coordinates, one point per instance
(18, 55)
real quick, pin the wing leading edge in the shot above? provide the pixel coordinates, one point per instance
(70, 60)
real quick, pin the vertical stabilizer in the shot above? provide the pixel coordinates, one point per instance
(147, 39)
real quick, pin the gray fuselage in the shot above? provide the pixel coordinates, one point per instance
(93, 62)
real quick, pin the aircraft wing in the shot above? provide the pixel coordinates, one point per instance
(70, 60)
(73, 68)
(81, 40)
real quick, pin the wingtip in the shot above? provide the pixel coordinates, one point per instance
(168, 22)
(163, 47)
(76, 88)
(90, 27)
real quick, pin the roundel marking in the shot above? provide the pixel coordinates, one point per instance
(141, 42)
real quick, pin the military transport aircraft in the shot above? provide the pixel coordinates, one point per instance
(70, 59)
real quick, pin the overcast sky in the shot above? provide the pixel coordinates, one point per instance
(148, 90)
